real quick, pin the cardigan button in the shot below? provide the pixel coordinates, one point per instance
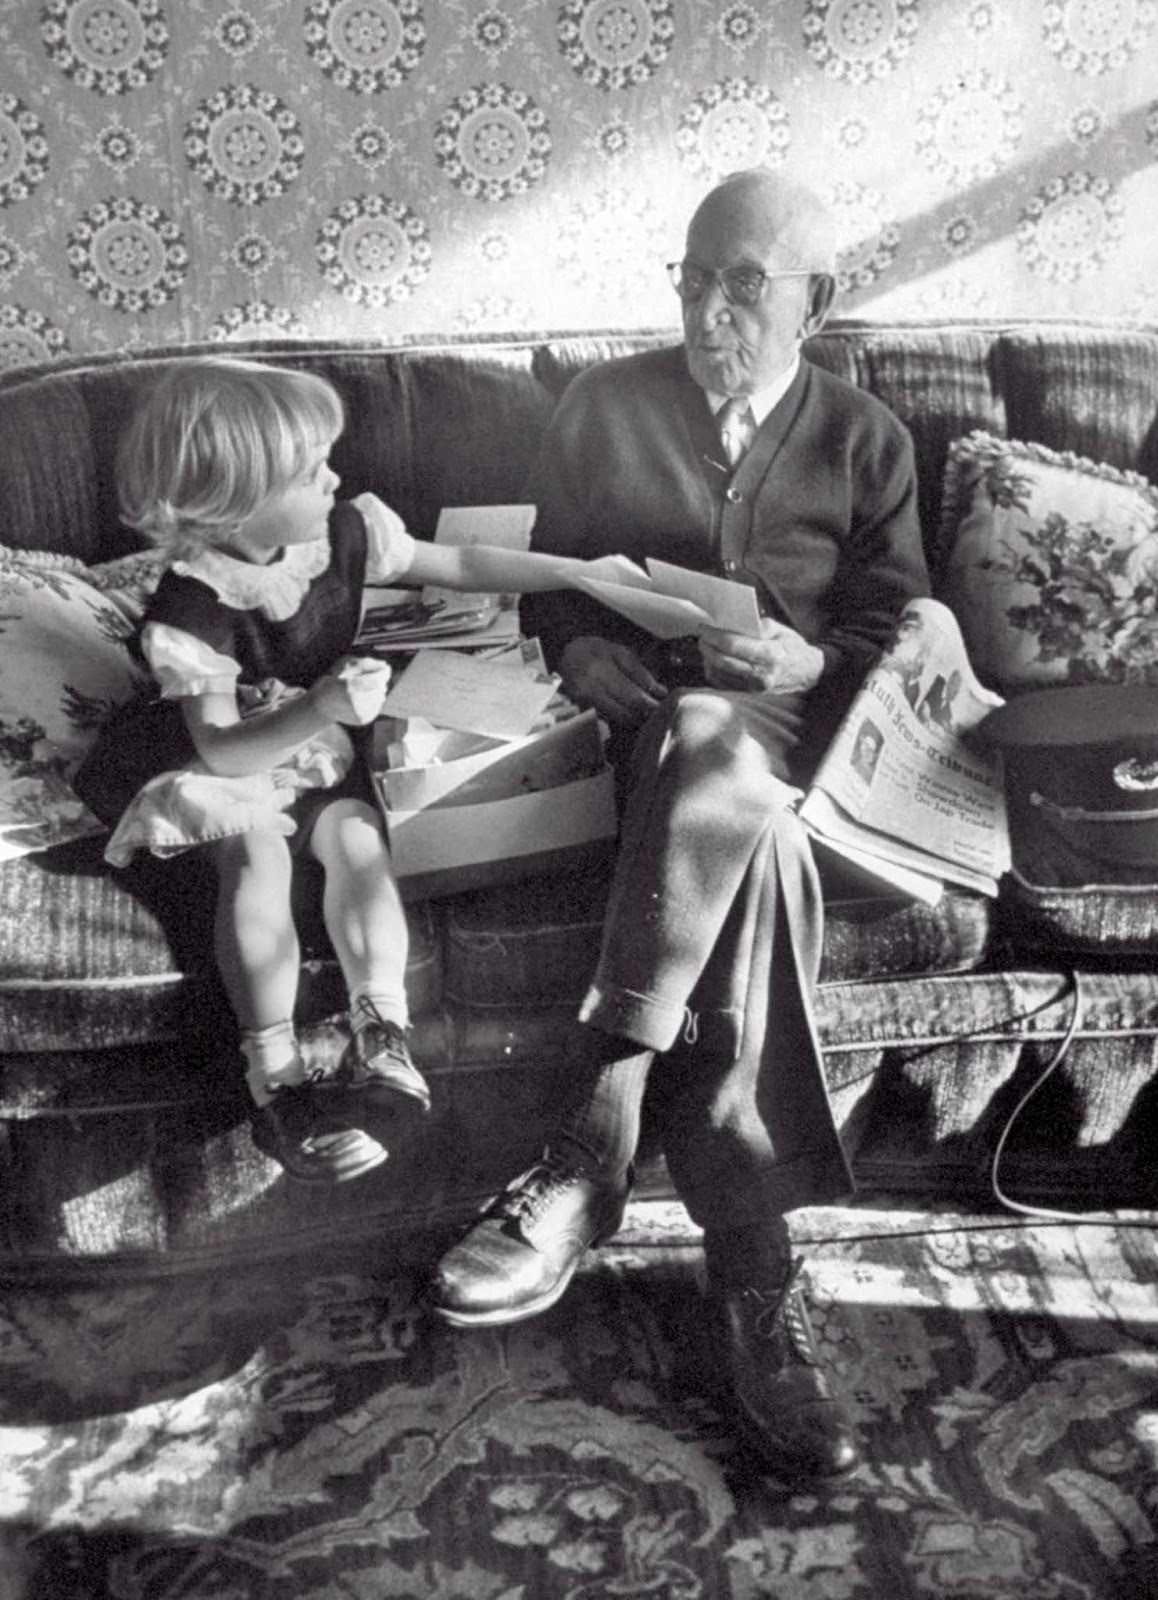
(733, 495)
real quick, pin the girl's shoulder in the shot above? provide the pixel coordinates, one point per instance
(216, 581)
(186, 603)
(178, 590)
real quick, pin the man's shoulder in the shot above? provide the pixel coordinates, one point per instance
(835, 394)
(650, 370)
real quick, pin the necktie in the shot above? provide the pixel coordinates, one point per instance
(737, 425)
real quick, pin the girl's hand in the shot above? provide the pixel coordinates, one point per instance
(353, 691)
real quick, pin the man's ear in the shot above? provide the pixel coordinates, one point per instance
(821, 294)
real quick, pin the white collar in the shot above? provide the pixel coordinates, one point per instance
(763, 400)
(276, 590)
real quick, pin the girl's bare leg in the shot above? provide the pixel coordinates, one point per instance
(367, 927)
(259, 958)
(255, 940)
(362, 907)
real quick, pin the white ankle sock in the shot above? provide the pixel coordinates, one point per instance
(372, 1005)
(271, 1058)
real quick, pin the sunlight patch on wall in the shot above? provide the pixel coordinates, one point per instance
(399, 168)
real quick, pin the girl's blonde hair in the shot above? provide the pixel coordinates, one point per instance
(211, 440)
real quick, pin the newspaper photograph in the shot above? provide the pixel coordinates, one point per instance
(902, 783)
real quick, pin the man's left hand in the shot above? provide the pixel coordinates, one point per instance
(780, 661)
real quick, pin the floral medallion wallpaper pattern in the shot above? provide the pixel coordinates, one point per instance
(204, 169)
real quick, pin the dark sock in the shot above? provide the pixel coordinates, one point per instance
(757, 1253)
(602, 1128)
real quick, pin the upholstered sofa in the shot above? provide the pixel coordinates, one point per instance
(123, 1139)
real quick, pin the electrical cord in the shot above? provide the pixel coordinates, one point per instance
(1038, 1084)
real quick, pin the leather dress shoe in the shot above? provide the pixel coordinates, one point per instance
(522, 1253)
(779, 1392)
(289, 1130)
(377, 1072)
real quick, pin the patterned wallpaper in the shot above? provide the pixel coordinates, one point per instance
(191, 169)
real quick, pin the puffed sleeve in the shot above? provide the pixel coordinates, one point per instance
(184, 665)
(389, 548)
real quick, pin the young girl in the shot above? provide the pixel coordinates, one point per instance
(244, 752)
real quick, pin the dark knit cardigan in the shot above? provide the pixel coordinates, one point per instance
(820, 515)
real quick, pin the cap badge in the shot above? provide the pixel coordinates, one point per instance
(1135, 774)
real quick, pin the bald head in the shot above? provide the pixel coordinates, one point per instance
(792, 222)
(759, 228)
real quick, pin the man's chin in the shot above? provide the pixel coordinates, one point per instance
(717, 370)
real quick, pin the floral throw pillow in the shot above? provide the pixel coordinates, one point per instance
(65, 664)
(1051, 565)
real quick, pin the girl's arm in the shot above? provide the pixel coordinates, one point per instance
(492, 570)
(351, 693)
(487, 569)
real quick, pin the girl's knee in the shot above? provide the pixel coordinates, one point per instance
(252, 852)
(348, 827)
(251, 848)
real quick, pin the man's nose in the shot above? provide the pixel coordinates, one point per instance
(713, 306)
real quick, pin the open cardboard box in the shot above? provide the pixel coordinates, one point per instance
(508, 810)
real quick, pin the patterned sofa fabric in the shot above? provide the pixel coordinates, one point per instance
(102, 960)
(534, 944)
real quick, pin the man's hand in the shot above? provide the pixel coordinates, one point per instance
(611, 677)
(781, 661)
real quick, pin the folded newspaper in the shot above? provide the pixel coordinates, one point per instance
(904, 791)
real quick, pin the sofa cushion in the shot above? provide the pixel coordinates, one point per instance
(65, 663)
(97, 959)
(939, 381)
(1052, 568)
(535, 943)
(1080, 387)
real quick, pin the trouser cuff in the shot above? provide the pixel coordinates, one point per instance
(650, 1023)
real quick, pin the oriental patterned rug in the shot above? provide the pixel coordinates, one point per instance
(307, 1435)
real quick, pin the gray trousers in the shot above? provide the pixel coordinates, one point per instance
(712, 942)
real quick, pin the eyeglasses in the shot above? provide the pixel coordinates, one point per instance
(742, 286)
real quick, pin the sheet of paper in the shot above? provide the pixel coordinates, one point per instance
(729, 605)
(663, 615)
(507, 526)
(454, 690)
(676, 601)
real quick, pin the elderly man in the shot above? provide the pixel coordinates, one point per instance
(733, 455)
